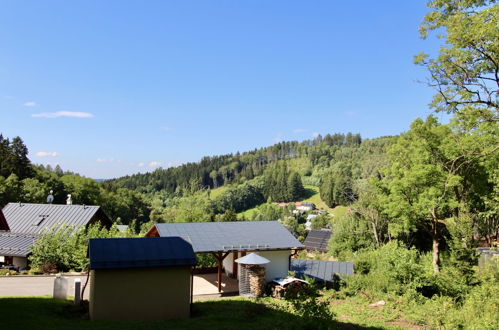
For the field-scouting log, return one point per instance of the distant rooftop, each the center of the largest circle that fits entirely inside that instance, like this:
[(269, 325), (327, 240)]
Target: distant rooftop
[(34, 218)]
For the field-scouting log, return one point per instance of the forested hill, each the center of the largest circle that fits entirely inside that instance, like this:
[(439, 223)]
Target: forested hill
[(216, 171)]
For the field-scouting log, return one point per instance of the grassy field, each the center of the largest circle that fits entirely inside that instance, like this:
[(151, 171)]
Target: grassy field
[(312, 195), (230, 313)]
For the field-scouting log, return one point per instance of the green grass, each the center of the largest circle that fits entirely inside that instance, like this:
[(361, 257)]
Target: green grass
[(214, 193), (230, 313), (311, 195)]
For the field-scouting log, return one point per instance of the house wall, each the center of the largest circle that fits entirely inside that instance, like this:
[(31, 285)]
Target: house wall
[(279, 263), (278, 266), (140, 294), (20, 262)]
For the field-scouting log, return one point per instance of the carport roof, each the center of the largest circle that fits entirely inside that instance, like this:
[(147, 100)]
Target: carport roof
[(140, 252), (231, 236)]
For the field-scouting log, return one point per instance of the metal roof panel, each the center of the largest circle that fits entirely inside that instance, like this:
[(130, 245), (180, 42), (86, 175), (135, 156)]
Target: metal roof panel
[(232, 236)]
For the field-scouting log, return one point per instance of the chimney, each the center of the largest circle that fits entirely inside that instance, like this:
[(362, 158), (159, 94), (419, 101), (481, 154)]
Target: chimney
[(69, 201)]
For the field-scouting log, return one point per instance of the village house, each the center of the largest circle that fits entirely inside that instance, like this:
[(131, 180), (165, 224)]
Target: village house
[(22, 223)]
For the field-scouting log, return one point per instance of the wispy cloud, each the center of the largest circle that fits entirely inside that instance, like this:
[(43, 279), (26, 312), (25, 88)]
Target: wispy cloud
[(299, 130), (167, 128), (154, 164), (278, 138), (315, 135), (141, 164), (47, 154), (30, 104), (104, 160), (57, 114)]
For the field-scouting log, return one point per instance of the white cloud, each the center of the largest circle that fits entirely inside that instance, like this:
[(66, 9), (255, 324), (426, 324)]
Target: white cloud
[(315, 135), (47, 154), (166, 128), (154, 164), (58, 114), (141, 164), (299, 130), (30, 104), (104, 160)]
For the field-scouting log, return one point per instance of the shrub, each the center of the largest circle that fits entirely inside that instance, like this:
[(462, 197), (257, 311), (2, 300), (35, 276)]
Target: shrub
[(4, 272), (62, 248), (391, 269)]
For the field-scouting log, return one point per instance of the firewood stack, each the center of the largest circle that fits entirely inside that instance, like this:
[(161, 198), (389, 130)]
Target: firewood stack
[(256, 276)]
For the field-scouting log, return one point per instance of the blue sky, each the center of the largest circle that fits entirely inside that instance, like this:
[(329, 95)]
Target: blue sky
[(108, 88)]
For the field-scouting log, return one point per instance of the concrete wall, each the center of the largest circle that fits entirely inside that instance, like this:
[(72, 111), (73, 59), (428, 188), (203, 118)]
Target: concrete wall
[(140, 294)]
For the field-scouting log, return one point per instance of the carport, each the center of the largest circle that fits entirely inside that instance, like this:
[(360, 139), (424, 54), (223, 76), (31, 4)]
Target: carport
[(235, 239)]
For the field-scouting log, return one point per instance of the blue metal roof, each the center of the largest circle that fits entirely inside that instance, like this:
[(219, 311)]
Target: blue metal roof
[(142, 252), (321, 270), (232, 236)]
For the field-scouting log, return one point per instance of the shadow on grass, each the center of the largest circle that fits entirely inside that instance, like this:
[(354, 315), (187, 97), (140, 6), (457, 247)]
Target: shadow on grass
[(308, 193), (238, 313)]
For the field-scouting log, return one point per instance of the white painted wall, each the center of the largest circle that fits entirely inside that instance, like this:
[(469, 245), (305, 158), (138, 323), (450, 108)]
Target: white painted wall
[(227, 264), (20, 262), (278, 265)]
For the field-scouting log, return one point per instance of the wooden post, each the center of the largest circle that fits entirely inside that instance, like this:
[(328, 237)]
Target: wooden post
[(220, 258), (234, 265)]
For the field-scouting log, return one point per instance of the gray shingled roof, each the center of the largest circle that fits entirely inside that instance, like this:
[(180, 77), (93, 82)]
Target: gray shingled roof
[(34, 218), (232, 236), (16, 244), (320, 270), (140, 252)]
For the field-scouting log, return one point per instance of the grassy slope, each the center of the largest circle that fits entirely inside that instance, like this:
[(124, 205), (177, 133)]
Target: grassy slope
[(234, 313), (312, 195)]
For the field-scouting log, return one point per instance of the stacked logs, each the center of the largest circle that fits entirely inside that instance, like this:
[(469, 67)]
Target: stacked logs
[(256, 275)]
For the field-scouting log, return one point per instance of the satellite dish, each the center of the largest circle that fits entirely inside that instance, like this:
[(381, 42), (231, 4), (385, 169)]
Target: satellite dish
[(50, 197)]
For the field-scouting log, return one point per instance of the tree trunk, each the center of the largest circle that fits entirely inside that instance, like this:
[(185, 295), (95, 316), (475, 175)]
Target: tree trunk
[(436, 247), (375, 232)]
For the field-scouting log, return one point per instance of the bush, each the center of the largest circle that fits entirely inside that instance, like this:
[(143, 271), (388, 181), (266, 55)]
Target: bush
[(390, 269), (313, 309), (62, 248), (4, 272)]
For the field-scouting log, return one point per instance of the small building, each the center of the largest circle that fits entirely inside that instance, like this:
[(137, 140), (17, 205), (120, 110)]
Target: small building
[(305, 206), (228, 241), (26, 221), (140, 278)]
